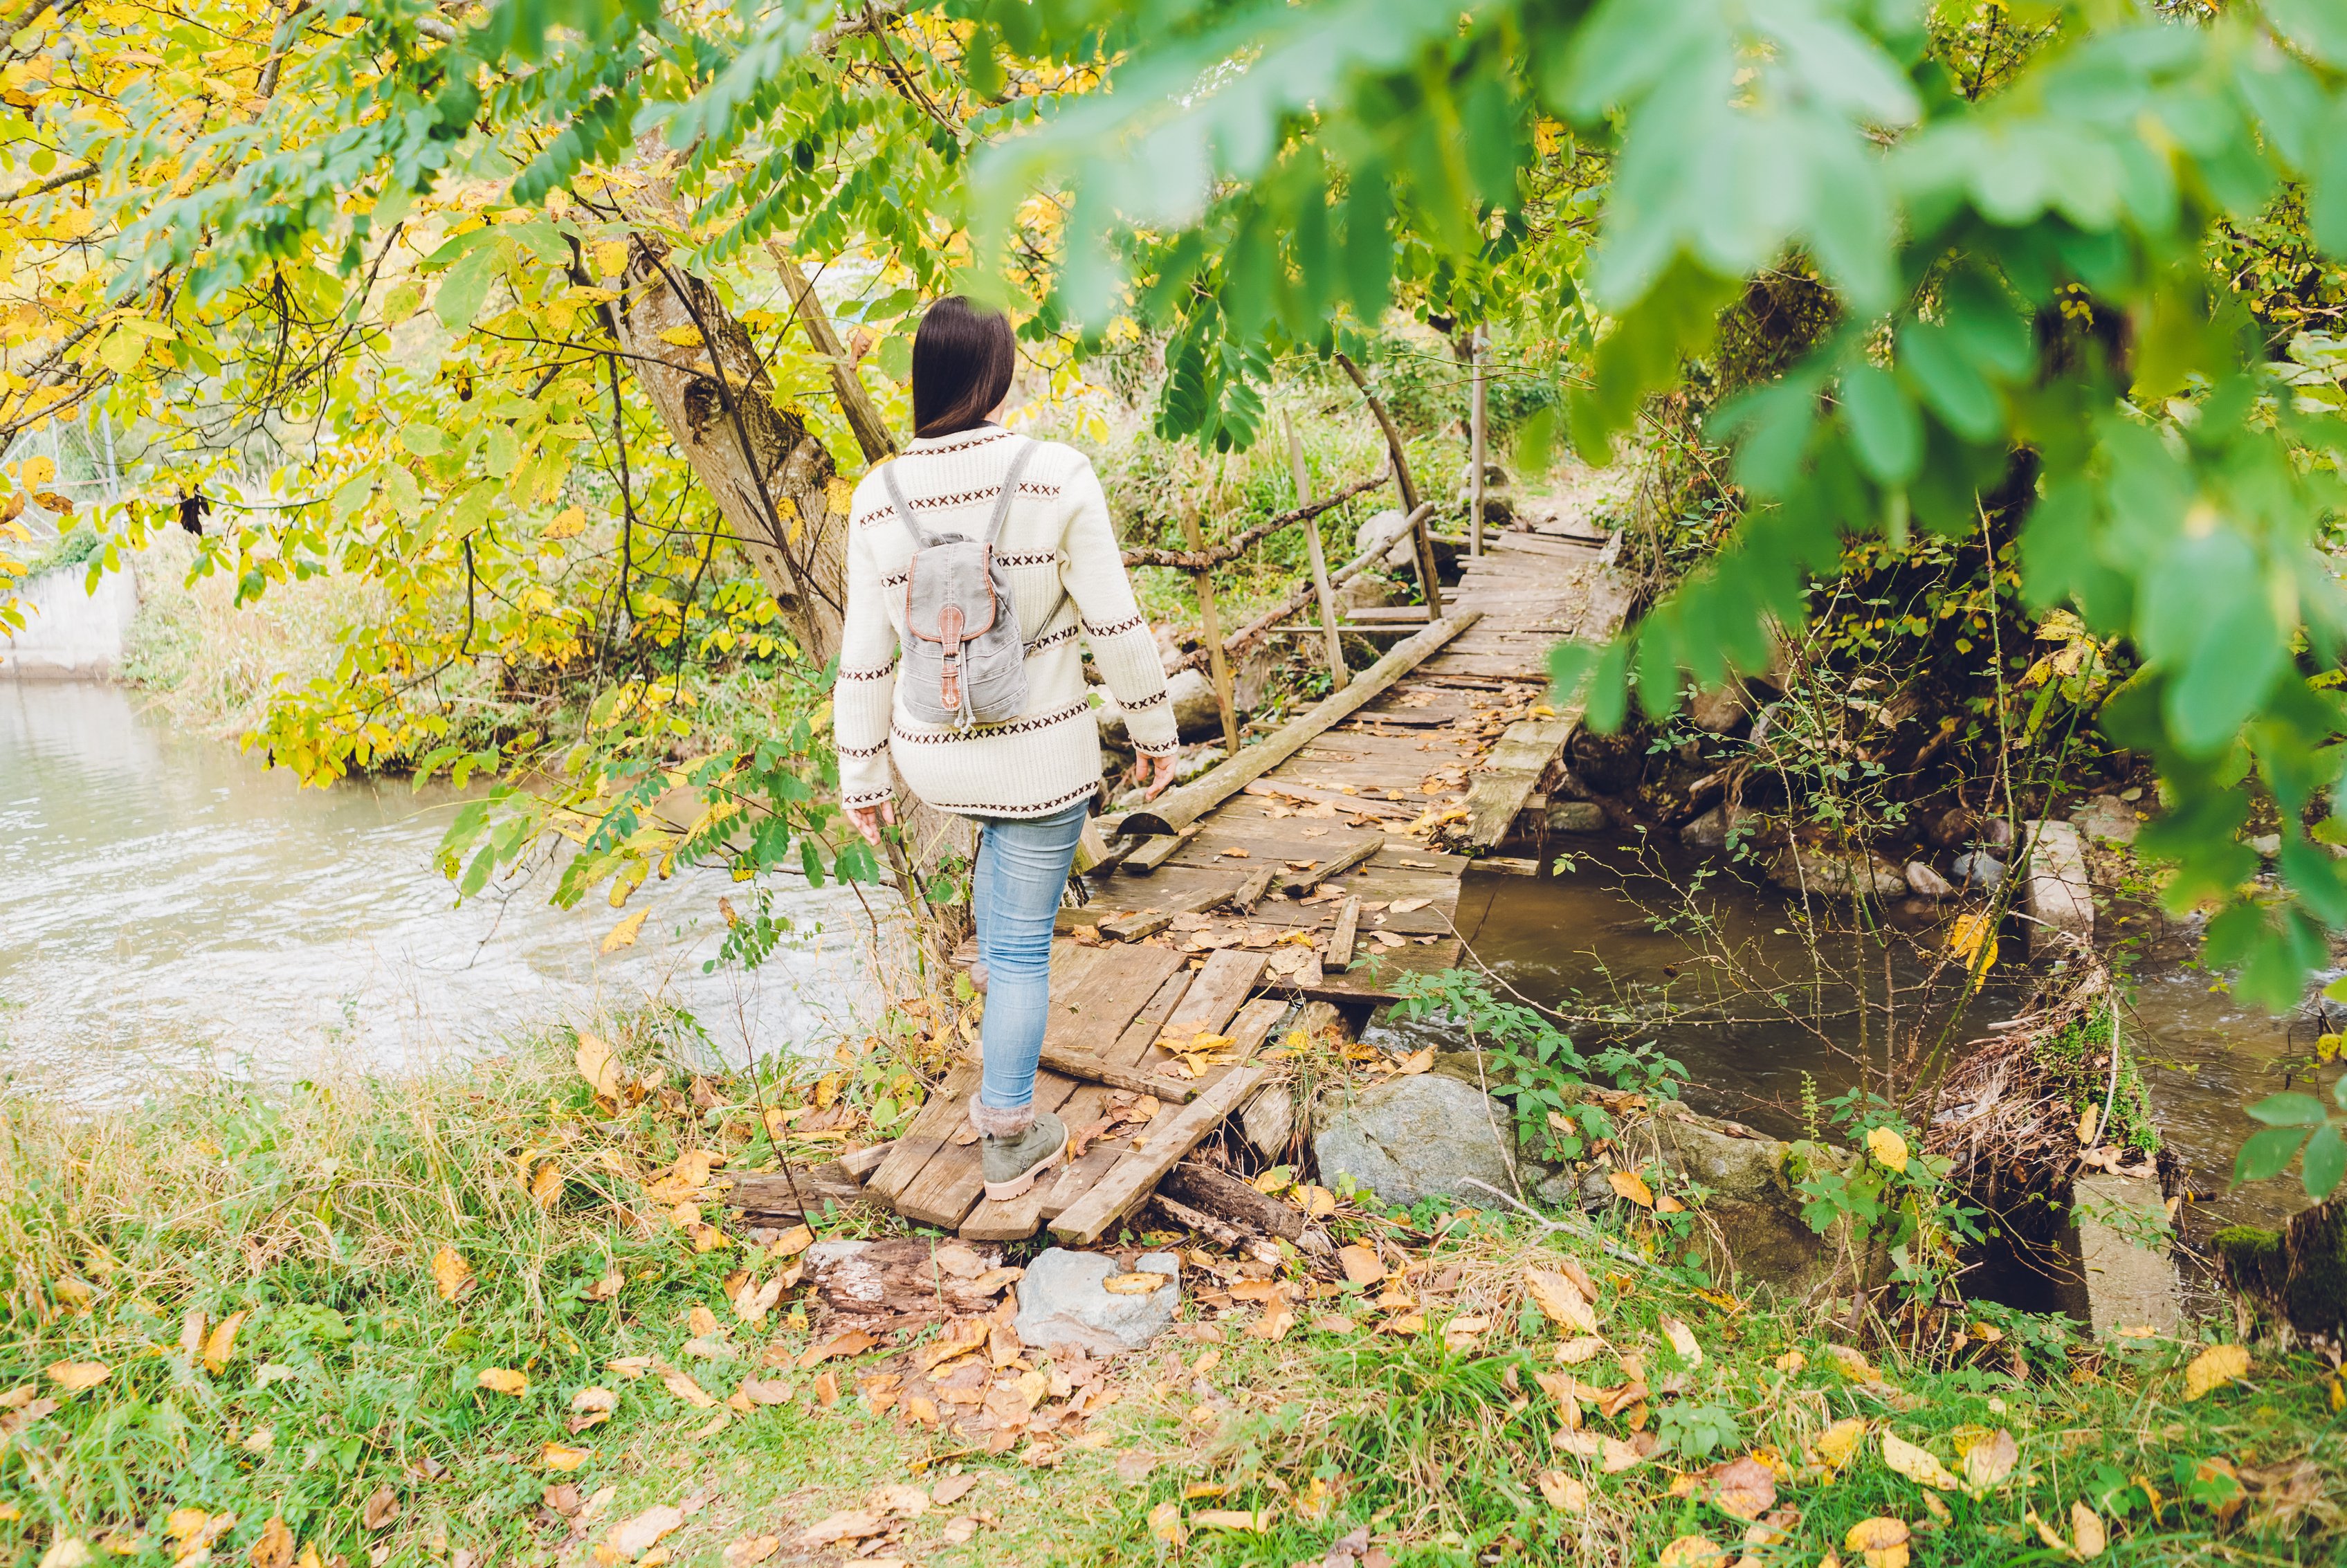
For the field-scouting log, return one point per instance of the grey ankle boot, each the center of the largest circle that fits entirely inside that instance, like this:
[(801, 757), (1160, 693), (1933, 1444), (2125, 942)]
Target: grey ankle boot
[(1012, 1161)]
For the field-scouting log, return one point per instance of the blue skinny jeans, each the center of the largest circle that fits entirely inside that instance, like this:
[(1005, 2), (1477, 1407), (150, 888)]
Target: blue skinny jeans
[(1022, 870)]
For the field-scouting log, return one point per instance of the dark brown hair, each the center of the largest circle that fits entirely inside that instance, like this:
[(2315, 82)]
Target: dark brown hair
[(962, 361)]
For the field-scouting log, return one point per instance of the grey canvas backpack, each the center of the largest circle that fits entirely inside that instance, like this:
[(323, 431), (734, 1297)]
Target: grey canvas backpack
[(964, 663)]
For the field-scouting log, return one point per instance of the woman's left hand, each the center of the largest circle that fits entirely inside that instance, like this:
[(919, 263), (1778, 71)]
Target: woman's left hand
[(1154, 771)]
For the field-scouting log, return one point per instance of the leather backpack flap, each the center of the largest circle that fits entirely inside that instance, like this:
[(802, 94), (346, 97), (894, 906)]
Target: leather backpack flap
[(970, 628)]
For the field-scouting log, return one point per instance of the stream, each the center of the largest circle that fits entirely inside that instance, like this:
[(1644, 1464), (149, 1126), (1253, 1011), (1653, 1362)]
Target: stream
[(174, 909)]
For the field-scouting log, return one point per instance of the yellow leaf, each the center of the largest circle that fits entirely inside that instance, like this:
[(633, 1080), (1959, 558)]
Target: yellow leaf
[(1838, 1444), (1883, 1542), (563, 1457), (545, 1184), (2047, 1533), (275, 1547), (692, 1393), (1682, 1341), (2089, 1122), (1254, 1521), (568, 523), (1559, 1300), (2213, 1369), (611, 258), (1165, 1524), (682, 337), (1973, 937), (1633, 1186), (1990, 1460), (1691, 1552), (37, 472), (1889, 1147), (1563, 1493), (451, 1273), (623, 935), (2086, 1530), (502, 1380), (73, 1377), (599, 1066), (220, 1344), (1917, 1464)]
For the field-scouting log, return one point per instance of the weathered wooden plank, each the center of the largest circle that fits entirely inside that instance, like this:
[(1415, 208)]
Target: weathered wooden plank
[(1152, 853), (1252, 890), (1217, 993), (1086, 1105), (932, 1125), (1171, 1138), (1179, 808), (1340, 939), (1506, 779), (1149, 921), (1359, 804), (1301, 882)]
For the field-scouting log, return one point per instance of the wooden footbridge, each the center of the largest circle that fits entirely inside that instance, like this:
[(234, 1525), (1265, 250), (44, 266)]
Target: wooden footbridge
[(1319, 864)]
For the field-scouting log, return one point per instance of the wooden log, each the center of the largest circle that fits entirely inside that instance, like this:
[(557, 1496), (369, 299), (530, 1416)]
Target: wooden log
[(1252, 890), (803, 1190), (1173, 1136), (1321, 587), (1230, 1199), (1340, 941), (1179, 808), (1475, 422), (1221, 1233), (1218, 664), (907, 1277), (1299, 882)]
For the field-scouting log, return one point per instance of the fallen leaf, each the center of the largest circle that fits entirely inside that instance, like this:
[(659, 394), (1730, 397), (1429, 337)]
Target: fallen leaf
[(1274, 1323), (382, 1508), (1837, 1445), (681, 1385), (1563, 1493), (2213, 1369), (1690, 1552), (1618, 1455), (1139, 1283), (1165, 1524), (561, 1457), (1560, 1299), (752, 1549), (1579, 1349), (952, 1489), (1361, 1264), (1745, 1489), (220, 1345), (608, 1286), (1853, 1366), (1881, 1540), (73, 1377), (1917, 1464), (1407, 906), (791, 1243), (1317, 1201), (502, 1380), (765, 1391), (599, 1066), (2087, 1534), (452, 1274), (1253, 1521), (909, 1500), (1682, 1341), (853, 1343), (68, 1552), (1633, 1186), (545, 1184), (1988, 1461), (853, 1525), (634, 1537), (754, 1301), (624, 934), (274, 1548)]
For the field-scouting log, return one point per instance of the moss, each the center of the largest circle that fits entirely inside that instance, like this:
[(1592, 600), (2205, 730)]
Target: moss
[(2073, 1055)]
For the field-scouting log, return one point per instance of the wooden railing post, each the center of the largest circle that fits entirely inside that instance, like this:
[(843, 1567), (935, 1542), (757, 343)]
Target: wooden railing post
[(1338, 674), (1430, 577), (1475, 454)]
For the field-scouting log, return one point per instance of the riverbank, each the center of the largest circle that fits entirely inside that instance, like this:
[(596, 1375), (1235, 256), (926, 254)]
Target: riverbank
[(469, 1319)]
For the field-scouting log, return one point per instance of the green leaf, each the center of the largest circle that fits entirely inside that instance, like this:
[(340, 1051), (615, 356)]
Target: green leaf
[(2326, 1162), (462, 292), (1885, 430), (424, 440), (2288, 1111), (2267, 1154), (1957, 392), (2317, 26)]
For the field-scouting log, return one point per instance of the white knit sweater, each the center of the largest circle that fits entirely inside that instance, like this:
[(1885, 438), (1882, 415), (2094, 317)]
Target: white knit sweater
[(1067, 580)]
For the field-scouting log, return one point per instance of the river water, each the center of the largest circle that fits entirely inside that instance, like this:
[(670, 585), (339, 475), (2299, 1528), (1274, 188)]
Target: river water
[(172, 907)]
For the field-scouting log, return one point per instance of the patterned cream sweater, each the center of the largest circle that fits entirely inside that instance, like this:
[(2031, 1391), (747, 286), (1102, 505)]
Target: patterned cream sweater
[(1067, 580)]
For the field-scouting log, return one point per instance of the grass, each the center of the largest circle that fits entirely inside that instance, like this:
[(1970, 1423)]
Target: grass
[(317, 1211)]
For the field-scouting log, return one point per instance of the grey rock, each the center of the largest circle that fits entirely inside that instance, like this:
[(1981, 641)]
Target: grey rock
[(1366, 591), (1196, 760), (2266, 844), (1402, 556), (1110, 717), (2109, 819), (1419, 1137), (2124, 1283), (1269, 1120), (1251, 682), (1061, 1302), (1576, 817), (1810, 869), (2057, 894), (1996, 833), (1718, 713), (1196, 716), (1926, 883), (1977, 868), (1708, 831), (1950, 829)]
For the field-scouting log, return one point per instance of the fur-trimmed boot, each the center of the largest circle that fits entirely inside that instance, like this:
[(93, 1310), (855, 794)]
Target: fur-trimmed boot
[(1018, 1145)]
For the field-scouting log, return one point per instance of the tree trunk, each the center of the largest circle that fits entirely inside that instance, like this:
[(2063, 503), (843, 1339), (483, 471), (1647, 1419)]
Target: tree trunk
[(776, 485)]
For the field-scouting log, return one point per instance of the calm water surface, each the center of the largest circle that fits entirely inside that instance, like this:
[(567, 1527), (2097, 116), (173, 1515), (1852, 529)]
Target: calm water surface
[(171, 906)]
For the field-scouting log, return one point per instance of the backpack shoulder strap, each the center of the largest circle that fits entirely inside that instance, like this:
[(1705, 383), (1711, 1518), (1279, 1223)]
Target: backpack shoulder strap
[(921, 541), (1009, 488)]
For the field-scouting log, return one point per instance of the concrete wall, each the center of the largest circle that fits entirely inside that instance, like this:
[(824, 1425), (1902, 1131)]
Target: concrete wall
[(70, 634)]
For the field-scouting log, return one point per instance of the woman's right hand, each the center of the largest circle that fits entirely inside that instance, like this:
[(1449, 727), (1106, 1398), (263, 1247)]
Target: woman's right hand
[(1154, 771), (870, 819)]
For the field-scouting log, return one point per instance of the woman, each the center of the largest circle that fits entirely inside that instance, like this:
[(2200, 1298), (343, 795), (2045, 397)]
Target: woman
[(1028, 782)]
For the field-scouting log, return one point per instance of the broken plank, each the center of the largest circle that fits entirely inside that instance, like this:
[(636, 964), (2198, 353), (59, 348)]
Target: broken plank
[(1340, 939), (1301, 882), (1176, 810), (1171, 1138), (1252, 890), (1360, 803), (1215, 994), (1153, 853), (1149, 922), (1093, 1070), (1506, 778), (933, 1124)]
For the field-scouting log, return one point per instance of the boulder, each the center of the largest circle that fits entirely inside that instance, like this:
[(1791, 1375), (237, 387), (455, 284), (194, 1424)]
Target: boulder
[(1576, 817), (2057, 898), (1109, 716), (1706, 832), (1425, 1135), (1926, 883), (1978, 869), (2108, 819), (1402, 556), (1366, 591), (1951, 829), (1063, 1300), (1816, 870), (1718, 713), (1195, 715)]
